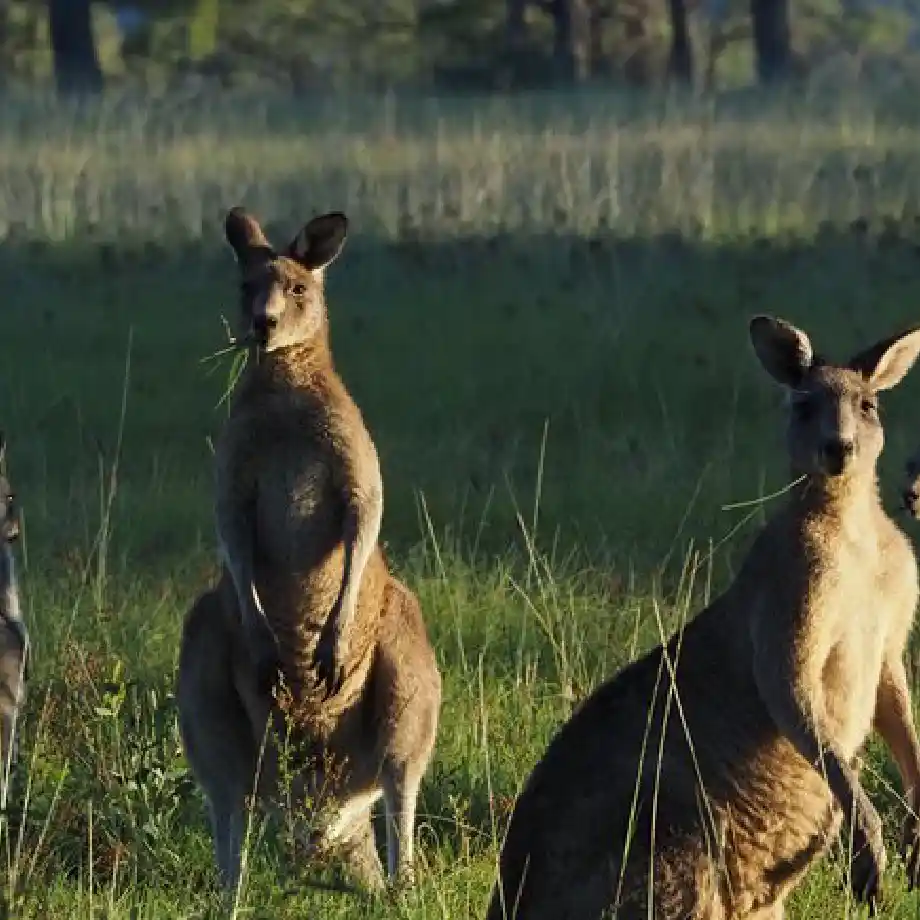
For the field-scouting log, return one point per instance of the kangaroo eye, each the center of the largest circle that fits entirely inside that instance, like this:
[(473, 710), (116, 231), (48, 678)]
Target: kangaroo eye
[(868, 407), (298, 290)]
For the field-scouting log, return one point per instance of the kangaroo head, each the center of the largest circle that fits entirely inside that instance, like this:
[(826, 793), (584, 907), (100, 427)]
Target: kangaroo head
[(9, 512), (282, 292), (833, 427)]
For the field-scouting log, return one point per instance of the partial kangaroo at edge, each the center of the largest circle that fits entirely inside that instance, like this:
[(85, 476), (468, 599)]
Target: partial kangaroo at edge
[(780, 681), (14, 637)]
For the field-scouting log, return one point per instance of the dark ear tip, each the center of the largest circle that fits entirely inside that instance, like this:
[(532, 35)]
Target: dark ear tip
[(339, 218), (760, 321), (235, 215)]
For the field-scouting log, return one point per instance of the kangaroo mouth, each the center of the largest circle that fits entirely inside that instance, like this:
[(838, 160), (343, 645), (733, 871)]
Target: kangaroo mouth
[(833, 467), (836, 459), (261, 331)]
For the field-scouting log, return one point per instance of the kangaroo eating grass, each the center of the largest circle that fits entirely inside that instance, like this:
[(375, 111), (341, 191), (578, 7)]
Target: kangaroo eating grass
[(305, 590), (14, 639), (702, 781)]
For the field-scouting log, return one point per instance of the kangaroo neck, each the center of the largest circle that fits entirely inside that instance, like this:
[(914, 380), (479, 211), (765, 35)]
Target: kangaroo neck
[(292, 365), (839, 495)]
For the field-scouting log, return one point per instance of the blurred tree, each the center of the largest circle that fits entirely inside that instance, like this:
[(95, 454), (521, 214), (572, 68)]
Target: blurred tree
[(772, 51), (471, 44), (680, 59), (481, 45), (638, 59), (76, 63), (202, 32), (572, 38), (515, 29), (5, 37), (601, 12), (572, 34)]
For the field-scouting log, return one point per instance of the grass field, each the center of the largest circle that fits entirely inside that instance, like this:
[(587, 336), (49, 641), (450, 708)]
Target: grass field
[(542, 312)]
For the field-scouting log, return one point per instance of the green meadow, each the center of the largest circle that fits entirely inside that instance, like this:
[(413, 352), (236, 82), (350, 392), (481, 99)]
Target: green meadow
[(542, 311)]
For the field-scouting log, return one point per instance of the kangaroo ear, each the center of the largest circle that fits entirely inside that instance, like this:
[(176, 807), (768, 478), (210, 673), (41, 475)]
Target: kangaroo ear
[(885, 363), (784, 351), (244, 234), (320, 241)]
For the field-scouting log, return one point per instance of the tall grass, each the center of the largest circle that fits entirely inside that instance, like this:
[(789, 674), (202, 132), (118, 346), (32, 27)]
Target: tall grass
[(579, 164)]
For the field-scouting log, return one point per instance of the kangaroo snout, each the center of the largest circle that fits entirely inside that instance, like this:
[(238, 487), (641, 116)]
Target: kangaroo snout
[(836, 453), (263, 324)]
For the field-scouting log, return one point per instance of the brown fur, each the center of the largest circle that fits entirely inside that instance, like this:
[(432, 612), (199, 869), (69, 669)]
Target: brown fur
[(299, 500), (706, 796)]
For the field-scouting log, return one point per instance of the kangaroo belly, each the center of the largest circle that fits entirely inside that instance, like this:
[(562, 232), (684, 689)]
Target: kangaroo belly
[(298, 605)]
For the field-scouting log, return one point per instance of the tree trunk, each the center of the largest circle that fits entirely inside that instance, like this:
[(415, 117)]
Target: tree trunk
[(680, 60), (770, 19), (638, 67), (572, 39), (76, 63), (515, 36), (5, 38), (514, 24)]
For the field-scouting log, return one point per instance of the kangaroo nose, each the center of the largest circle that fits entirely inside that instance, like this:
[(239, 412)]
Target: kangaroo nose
[(263, 323), (837, 452)]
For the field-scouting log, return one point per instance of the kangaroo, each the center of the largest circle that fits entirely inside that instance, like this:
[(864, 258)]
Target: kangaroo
[(703, 780), (305, 594), (14, 637)]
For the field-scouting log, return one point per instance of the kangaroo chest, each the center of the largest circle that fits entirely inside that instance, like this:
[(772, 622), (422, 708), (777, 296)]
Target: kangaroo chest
[(298, 510)]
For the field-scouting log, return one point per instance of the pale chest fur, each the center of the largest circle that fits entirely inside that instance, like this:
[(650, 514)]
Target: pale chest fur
[(855, 608), (859, 608)]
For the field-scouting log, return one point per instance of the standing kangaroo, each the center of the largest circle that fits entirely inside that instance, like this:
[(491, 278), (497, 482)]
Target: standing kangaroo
[(702, 781), (305, 589), (14, 639)]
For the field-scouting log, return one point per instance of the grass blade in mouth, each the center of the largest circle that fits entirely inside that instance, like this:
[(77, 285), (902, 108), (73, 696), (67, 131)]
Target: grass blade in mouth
[(237, 366), (238, 347)]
